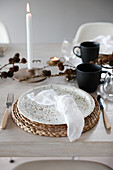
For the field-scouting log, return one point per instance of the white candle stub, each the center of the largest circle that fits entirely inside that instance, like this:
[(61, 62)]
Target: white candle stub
[(29, 37), (54, 59)]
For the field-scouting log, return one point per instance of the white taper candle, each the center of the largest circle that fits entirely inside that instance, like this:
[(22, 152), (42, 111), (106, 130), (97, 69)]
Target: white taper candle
[(29, 37)]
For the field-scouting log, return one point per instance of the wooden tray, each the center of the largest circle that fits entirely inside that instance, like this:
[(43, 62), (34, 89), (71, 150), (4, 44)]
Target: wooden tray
[(52, 130)]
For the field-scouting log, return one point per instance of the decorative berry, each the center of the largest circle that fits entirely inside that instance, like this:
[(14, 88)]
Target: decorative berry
[(11, 60), (4, 74), (23, 60), (16, 68), (10, 74)]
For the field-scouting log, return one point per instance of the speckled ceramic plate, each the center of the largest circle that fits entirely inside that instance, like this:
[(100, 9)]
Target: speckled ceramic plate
[(49, 114)]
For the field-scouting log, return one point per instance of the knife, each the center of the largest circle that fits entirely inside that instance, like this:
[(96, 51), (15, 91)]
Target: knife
[(105, 117)]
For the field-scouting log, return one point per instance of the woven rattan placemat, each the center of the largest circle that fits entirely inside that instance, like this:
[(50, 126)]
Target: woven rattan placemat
[(51, 130)]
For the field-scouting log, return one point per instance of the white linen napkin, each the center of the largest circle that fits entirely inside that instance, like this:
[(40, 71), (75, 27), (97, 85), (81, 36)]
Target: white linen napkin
[(66, 105), (106, 43)]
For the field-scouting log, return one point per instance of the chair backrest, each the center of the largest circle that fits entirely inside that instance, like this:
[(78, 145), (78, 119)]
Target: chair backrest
[(4, 37), (89, 31), (61, 165)]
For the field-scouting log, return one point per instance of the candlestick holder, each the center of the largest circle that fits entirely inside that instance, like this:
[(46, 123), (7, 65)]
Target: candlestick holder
[(28, 75)]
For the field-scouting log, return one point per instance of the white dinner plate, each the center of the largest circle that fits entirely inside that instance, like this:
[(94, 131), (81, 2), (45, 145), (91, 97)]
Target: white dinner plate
[(48, 114)]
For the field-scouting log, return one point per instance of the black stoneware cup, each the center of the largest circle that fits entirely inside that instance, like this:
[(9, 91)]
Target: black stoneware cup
[(89, 76), (89, 51)]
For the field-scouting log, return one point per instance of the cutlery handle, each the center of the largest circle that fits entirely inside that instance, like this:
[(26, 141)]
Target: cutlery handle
[(106, 120), (4, 119)]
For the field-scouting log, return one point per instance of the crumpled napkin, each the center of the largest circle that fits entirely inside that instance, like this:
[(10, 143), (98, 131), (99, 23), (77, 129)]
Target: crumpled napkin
[(106, 43), (66, 105)]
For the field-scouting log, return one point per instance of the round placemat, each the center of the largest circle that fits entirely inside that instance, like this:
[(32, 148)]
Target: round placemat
[(52, 130)]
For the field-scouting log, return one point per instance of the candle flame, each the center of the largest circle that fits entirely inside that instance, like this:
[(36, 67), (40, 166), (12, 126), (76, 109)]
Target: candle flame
[(28, 8)]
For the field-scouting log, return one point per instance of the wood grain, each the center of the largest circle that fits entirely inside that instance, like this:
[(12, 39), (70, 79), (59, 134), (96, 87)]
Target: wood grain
[(106, 120), (4, 119)]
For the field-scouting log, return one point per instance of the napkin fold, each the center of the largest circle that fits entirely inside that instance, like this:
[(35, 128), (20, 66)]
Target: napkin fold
[(66, 105), (106, 43)]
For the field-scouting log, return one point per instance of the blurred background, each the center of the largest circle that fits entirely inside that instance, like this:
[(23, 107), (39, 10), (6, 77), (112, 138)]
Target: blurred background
[(53, 20)]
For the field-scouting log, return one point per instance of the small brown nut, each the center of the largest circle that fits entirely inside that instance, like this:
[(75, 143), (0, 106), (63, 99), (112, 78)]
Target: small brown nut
[(60, 64), (61, 68)]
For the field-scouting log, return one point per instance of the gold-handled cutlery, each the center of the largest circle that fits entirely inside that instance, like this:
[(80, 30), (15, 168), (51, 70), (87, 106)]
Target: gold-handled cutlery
[(10, 99), (105, 116)]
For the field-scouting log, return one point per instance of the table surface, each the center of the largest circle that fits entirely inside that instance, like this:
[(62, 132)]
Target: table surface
[(16, 142)]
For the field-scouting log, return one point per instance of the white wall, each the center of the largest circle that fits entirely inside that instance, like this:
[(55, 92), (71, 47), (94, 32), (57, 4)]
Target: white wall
[(53, 20)]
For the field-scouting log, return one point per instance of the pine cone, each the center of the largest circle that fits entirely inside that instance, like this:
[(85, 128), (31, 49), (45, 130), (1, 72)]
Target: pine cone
[(11, 60), (10, 74), (16, 68), (16, 59), (47, 72), (69, 71), (17, 55)]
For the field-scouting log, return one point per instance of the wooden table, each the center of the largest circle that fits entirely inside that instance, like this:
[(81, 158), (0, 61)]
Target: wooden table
[(15, 142)]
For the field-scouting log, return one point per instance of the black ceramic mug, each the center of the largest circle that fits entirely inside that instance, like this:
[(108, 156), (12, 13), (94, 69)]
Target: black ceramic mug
[(89, 76), (89, 51)]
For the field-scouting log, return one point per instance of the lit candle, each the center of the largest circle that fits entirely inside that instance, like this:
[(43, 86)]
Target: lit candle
[(54, 60), (29, 37)]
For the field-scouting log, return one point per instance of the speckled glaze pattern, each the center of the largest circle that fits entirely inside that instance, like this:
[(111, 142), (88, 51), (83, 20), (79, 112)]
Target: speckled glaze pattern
[(48, 114)]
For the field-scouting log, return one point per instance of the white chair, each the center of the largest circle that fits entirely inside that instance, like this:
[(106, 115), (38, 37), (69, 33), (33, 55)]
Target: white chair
[(89, 31), (62, 165), (4, 37)]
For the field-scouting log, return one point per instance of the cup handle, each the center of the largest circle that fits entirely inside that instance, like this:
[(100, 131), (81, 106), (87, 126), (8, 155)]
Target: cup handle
[(78, 55), (106, 72)]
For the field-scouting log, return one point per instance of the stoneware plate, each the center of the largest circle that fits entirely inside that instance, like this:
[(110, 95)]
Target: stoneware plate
[(48, 114)]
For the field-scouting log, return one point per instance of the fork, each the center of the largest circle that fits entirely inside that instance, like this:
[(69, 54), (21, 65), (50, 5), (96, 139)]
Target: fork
[(10, 99)]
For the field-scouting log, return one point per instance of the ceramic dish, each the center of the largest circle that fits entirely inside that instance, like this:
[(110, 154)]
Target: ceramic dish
[(48, 114)]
